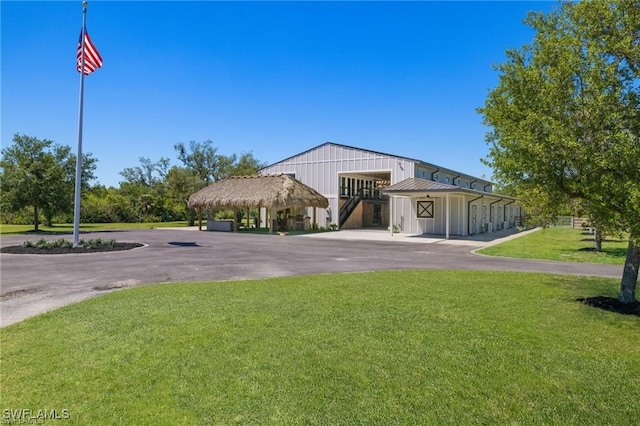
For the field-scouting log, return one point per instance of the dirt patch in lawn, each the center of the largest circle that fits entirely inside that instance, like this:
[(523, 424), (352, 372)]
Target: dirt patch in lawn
[(612, 304)]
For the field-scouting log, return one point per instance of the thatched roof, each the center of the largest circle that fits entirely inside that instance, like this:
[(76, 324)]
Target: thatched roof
[(270, 191)]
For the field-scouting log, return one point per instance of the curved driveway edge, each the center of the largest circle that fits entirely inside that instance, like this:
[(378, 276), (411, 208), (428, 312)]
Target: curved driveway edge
[(33, 284)]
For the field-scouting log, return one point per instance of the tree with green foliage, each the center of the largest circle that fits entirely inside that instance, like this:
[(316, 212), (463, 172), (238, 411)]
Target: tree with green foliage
[(145, 186), (148, 173), (565, 118), (202, 159), (246, 165), (40, 174), (181, 183), (207, 166), (106, 205)]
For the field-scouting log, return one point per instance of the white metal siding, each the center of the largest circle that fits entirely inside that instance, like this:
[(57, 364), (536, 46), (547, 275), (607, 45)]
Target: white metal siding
[(457, 221), (438, 224), (320, 168)]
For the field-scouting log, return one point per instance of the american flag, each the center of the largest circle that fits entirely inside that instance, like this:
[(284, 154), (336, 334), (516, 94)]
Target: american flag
[(92, 59)]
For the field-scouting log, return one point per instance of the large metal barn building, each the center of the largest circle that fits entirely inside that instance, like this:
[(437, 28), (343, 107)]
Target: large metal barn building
[(373, 189)]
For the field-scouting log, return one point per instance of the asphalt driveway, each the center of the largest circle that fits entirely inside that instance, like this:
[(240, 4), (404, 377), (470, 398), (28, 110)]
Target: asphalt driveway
[(33, 284)]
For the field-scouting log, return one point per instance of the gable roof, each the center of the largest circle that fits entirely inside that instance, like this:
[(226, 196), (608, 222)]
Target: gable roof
[(347, 147), (415, 160)]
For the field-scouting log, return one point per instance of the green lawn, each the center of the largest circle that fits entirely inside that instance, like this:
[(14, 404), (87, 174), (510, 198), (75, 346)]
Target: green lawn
[(86, 227), (563, 244), (410, 347)]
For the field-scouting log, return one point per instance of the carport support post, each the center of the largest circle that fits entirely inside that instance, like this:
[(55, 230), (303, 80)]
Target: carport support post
[(448, 219), (390, 214)]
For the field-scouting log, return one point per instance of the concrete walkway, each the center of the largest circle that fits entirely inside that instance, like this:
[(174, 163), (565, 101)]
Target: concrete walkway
[(478, 241)]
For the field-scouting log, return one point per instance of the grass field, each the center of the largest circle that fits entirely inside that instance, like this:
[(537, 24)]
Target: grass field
[(411, 347), (85, 227), (563, 244)]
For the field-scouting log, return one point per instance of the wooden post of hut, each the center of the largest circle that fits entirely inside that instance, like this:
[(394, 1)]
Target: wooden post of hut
[(259, 217), (236, 225), (313, 224), (200, 219), (270, 220)]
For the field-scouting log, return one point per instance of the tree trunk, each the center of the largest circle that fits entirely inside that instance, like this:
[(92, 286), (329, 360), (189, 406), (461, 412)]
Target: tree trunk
[(35, 217), (192, 217), (597, 236), (48, 220), (630, 273)]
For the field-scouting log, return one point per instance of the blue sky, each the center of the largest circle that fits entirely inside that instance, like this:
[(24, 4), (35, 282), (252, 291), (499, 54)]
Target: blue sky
[(274, 78)]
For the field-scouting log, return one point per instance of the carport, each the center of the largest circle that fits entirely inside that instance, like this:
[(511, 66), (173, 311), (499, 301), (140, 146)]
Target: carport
[(425, 194)]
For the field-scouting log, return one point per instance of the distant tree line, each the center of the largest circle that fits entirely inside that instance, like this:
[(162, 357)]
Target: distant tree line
[(37, 179)]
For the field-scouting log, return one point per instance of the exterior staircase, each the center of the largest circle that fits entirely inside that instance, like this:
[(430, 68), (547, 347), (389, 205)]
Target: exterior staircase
[(362, 194)]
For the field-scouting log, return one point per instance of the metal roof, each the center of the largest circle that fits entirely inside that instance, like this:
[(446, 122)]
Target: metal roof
[(417, 184), (414, 186), (415, 160)]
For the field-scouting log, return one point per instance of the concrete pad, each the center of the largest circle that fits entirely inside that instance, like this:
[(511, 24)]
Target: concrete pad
[(478, 241)]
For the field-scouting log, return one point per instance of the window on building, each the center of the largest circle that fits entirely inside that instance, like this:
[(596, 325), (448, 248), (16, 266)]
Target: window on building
[(425, 209)]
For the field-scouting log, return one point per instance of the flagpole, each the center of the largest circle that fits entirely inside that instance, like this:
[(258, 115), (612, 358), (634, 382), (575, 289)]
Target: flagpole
[(76, 201)]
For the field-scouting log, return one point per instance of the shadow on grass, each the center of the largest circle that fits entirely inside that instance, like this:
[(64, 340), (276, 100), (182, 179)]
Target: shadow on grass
[(607, 240), (612, 304), (70, 226), (615, 252), (58, 229), (66, 231), (43, 232)]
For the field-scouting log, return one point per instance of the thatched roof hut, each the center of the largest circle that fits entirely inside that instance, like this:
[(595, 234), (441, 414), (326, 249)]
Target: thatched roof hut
[(274, 192), (270, 191)]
